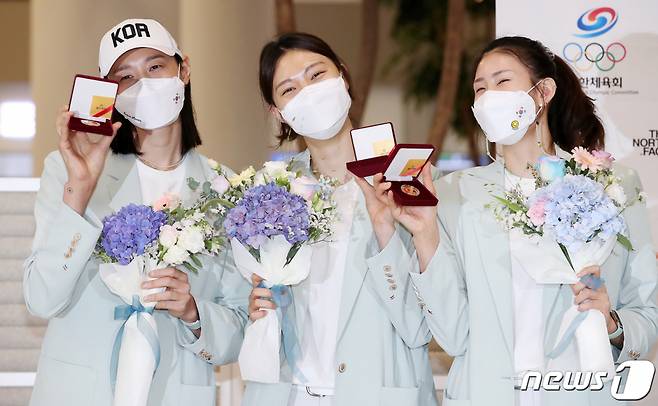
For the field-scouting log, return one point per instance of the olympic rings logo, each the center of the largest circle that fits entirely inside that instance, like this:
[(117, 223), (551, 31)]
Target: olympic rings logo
[(594, 54)]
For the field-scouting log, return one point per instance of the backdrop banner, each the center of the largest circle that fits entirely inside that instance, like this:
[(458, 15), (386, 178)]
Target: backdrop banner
[(613, 47)]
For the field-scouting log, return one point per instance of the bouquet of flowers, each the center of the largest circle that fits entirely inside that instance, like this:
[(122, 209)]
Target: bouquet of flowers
[(221, 193), (134, 241), (572, 220), (271, 227)]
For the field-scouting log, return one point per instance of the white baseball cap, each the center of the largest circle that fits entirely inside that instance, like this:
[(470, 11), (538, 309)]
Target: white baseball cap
[(131, 34)]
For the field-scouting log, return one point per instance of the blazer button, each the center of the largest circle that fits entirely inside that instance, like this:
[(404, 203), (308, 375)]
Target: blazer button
[(205, 355), (342, 367)]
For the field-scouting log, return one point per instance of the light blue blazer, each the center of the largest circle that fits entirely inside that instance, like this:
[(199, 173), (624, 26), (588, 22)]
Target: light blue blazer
[(381, 349), (61, 283), (467, 289)]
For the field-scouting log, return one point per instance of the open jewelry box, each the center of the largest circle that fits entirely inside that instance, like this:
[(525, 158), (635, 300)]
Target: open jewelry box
[(376, 151)]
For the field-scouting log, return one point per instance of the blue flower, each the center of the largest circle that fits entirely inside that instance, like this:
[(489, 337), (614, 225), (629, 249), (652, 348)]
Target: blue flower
[(577, 209), (265, 211), (550, 168), (130, 231)]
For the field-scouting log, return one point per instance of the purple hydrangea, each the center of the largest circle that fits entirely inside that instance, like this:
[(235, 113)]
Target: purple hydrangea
[(577, 209), (265, 211), (129, 232)]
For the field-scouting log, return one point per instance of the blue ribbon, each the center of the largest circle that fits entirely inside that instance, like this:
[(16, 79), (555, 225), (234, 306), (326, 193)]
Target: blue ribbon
[(123, 312), (282, 297), (593, 282)]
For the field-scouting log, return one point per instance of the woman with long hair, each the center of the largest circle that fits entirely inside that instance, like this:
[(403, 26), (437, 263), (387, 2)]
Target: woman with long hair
[(482, 305), (200, 317)]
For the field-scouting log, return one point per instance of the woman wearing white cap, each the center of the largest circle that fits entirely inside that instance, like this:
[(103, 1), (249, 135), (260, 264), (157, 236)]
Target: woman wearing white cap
[(200, 317)]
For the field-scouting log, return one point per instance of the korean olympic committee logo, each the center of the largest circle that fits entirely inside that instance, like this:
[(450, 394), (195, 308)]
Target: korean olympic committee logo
[(596, 22), (593, 23)]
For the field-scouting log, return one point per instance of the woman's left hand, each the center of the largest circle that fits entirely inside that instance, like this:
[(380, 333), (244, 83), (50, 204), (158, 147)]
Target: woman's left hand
[(598, 299), (176, 298), (419, 220)]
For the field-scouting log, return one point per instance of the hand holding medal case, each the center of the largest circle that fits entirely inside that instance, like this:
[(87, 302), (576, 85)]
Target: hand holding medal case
[(404, 164), (92, 104), (377, 152)]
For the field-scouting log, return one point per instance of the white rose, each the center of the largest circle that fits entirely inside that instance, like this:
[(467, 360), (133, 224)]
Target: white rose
[(191, 239), (303, 186), (176, 255), (276, 169), (168, 236), (616, 193), (220, 184), (259, 179)]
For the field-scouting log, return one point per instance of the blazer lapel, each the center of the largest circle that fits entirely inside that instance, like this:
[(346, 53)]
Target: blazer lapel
[(355, 266), (117, 186), (124, 185), (195, 169), (493, 241)]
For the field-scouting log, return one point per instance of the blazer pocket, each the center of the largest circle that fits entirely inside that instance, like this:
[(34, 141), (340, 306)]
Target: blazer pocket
[(197, 394), (398, 396), (59, 383)]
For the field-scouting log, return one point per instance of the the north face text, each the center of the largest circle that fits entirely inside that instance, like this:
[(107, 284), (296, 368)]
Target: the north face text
[(129, 31)]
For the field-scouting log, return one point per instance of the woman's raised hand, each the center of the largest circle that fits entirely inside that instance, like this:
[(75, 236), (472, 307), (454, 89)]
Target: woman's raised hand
[(84, 156), (383, 222), (420, 221)]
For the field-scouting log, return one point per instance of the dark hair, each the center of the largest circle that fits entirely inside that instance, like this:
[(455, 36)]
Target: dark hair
[(572, 119), (124, 141), (275, 49)]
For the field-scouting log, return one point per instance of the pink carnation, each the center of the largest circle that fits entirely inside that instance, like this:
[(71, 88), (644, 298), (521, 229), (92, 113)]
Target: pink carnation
[(537, 213), (586, 160), (167, 201)]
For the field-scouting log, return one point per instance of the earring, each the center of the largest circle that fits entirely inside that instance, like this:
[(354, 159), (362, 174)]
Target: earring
[(538, 138), (486, 144)]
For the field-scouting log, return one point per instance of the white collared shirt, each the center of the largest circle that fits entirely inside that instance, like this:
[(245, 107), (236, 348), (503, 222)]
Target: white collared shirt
[(323, 289), (528, 308)]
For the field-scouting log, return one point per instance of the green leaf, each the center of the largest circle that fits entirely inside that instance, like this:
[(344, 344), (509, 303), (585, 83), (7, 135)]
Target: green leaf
[(206, 187), (216, 202), (192, 183), (625, 242), (196, 261), (566, 254), (512, 206), (292, 252), (254, 252), (190, 267)]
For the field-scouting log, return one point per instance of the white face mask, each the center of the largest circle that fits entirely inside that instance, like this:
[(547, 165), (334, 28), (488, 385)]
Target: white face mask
[(319, 110), (152, 102), (505, 116)]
